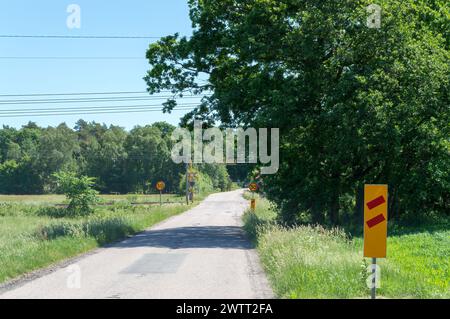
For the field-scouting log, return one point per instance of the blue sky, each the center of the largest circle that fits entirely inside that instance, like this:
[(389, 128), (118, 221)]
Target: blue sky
[(98, 17)]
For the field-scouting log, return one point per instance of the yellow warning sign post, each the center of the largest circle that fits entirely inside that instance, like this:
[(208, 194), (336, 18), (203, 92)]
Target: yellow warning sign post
[(160, 186), (253, 204), (375, 220), (253, 187), (375, 226)]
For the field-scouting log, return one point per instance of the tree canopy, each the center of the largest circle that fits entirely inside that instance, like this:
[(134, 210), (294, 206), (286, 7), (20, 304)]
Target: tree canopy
[(354, 104)]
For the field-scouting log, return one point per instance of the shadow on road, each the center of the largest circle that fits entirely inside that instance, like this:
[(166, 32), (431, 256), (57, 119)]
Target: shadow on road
[(231, 237)]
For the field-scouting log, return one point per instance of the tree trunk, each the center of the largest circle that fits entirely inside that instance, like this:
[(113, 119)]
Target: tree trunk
[(334, 209), (392, 204), (317, 214)]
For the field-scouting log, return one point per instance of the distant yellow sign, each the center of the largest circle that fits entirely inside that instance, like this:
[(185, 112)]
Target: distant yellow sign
[(253, 205), (160, 185), (375, 220), (253, 187)]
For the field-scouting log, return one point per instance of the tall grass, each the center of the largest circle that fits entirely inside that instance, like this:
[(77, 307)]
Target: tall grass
[(314, 262), (104, 198)]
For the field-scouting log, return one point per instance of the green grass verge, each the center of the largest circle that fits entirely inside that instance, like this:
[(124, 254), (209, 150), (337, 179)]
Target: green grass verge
[(313, 262), (30, 240), (61, 199)]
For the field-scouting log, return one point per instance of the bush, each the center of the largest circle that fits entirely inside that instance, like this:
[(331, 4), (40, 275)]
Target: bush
[(203, 184), (102, 229), (60, 229), (218, 175), (16, 209), (54, 212), (78, 190)]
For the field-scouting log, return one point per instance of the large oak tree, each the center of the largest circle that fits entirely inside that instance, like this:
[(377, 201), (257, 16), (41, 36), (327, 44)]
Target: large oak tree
[(354, 104)]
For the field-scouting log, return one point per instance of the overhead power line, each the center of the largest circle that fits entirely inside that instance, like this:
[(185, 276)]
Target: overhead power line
[(91, 108), (89, 100), (96, 112), (77, 113), (55, 94), (46, 36), (82, 93), (70, 58)]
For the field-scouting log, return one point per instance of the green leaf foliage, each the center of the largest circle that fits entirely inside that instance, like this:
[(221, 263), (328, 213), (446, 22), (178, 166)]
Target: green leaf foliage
[(354, 104)]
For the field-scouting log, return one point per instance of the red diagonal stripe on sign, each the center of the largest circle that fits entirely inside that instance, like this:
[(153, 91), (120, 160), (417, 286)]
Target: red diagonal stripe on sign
[(376, 202), (376, 220)]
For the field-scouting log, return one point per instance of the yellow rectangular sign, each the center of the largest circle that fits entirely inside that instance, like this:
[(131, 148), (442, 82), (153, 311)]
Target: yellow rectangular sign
[(375, 220)]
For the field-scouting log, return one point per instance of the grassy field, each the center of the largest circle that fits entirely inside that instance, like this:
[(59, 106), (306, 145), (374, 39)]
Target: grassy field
[(313, 262), (33, 236), (61, 199)]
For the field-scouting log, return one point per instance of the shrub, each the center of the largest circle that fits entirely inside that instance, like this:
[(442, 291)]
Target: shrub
[(54, 212), (203, 184), (78, 190), (16, 209), (132, 198), (103, 229)]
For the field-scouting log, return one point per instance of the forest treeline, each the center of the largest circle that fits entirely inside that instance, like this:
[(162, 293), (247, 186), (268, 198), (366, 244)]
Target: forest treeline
[(120, 161)]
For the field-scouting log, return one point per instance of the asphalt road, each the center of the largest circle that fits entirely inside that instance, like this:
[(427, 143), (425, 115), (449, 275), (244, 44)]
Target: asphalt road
[(202, 253)]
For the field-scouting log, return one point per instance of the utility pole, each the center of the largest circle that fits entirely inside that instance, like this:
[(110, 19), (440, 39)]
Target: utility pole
[(187, 184)]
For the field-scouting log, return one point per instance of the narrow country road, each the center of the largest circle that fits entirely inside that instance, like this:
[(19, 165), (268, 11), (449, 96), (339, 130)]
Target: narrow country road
[(202, 253)]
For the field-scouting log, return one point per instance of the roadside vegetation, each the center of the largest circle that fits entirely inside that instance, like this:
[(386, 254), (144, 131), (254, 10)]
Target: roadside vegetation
[(51, 179), (315, 262), (354, 104), (103, 199)]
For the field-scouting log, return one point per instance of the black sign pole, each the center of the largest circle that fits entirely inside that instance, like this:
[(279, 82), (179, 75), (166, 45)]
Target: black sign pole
[(374, 278)]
